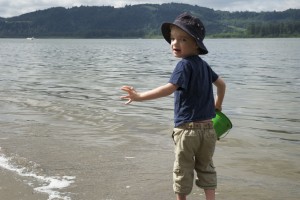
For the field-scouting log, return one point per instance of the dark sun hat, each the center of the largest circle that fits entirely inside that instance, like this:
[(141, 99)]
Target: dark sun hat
[(191, 25)]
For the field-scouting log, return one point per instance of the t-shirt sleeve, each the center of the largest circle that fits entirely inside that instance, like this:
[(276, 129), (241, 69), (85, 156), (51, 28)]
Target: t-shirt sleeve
[(181, 76), (214, 76)]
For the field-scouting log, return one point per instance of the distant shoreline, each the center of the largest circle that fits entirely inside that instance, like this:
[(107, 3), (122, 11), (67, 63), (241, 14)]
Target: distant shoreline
[(144, 21)]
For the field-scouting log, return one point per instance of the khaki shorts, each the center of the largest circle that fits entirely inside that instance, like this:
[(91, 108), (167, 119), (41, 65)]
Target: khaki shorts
[(194, 149)]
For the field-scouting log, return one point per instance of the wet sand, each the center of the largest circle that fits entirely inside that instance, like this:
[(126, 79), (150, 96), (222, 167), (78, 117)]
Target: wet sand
[(140, 169), (12, 188)]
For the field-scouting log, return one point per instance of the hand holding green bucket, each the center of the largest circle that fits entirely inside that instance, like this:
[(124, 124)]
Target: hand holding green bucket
[(221, 123)]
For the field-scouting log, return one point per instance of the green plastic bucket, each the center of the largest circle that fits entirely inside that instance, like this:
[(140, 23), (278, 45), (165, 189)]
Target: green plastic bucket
[(221, 123)]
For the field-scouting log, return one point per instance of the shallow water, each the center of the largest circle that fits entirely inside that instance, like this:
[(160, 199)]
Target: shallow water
[(60, 109)]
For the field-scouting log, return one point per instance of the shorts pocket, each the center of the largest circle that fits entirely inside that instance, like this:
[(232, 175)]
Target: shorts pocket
[(176, 134), (212, 166), (177, 171), (178, 174)]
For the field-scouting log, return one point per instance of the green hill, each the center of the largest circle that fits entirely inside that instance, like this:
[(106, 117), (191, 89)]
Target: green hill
[(144, 20)]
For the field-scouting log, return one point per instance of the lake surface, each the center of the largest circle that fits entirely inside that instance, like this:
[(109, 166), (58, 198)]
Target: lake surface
[(61, 113)]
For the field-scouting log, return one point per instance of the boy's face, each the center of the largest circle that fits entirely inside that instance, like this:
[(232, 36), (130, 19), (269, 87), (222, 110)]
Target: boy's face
[(182, 44)]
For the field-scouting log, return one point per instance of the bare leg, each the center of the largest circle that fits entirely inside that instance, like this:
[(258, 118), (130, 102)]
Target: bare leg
[(181, 197), (210, 194)]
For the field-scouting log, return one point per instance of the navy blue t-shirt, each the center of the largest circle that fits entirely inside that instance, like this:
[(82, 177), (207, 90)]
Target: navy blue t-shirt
[(194, 99)]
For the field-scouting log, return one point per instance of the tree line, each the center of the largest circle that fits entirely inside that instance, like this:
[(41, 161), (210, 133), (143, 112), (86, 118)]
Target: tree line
[(274, 29), (144, 20)]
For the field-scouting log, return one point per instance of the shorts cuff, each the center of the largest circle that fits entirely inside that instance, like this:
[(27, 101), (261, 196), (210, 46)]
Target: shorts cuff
[(206, 187)]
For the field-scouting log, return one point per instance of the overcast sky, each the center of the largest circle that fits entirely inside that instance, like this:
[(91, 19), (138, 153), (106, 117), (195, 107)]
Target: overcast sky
[(9, 8)]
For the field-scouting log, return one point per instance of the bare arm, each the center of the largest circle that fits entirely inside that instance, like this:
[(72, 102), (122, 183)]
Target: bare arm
[(158, 92), (221, 87)]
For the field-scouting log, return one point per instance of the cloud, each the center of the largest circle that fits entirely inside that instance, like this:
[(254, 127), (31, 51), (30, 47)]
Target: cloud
[(9, 8), (258, 5)]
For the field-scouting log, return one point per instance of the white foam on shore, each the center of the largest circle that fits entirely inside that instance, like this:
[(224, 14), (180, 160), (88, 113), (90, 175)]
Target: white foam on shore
[(49, 185)]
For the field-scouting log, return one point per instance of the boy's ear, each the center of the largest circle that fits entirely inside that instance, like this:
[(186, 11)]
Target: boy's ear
[(196, 45)]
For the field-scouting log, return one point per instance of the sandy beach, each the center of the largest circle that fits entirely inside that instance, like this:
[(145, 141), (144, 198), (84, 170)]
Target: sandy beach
[(140, 170), (13, 188)]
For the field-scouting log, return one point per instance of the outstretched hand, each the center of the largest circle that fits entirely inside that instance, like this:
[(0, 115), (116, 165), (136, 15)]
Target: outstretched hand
[(132, 94)]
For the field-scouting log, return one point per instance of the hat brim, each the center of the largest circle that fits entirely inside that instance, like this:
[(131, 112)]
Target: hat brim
[(166, 32)]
